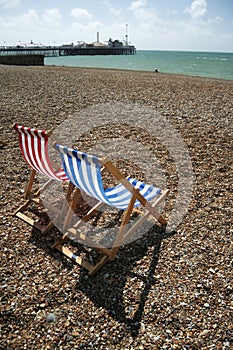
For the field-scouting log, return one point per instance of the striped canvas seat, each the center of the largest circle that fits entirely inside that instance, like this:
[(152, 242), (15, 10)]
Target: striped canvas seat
[(34, 148), (85, 173)]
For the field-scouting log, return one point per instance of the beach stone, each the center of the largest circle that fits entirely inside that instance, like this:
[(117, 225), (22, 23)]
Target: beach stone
[(51, 317), (185, 279)]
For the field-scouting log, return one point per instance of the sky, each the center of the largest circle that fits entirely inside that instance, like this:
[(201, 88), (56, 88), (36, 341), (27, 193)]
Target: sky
[(191, 25)]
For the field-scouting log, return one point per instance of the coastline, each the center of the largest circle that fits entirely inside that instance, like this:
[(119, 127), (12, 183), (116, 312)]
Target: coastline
[(173, 289), (147, 72), (126, 71), (207, 64)]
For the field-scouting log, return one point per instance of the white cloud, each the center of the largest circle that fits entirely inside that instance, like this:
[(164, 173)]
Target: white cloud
[(27, 20), (198, 8), (81, 14), (8, 4), (113, 10), (142, 13), (172, 35), (147, 27), (138, 4), (31, 20), (216, 20), (52, 17)]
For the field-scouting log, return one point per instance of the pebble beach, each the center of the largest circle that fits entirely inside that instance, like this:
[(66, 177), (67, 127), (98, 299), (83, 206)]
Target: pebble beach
[(166, 290)]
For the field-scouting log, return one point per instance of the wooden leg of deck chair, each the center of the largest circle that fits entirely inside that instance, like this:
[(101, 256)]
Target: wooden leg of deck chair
[(43, 228), (29, 185), (143, 218), (92, 269), (73, 230), (69, 192), (68, 215), (43, 188), (22, 207), (152, 208), (98, 266), (60, 212), (120, 235), (92, 212), (48, 227), (86, 217), (19, 213)]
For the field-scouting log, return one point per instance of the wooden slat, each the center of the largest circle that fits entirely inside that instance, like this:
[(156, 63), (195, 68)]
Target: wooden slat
[(66, 251), (87, 241), (95, 268), (30, 221)]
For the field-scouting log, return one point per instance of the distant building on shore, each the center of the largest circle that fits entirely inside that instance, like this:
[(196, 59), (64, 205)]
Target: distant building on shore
[(115, 43)]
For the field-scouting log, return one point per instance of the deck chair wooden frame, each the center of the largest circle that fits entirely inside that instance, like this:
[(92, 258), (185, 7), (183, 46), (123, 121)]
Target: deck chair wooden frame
[(85, 172), (34, 148)]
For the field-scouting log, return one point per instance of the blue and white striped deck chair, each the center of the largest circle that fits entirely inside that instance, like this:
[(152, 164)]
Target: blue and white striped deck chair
[(84, 172)]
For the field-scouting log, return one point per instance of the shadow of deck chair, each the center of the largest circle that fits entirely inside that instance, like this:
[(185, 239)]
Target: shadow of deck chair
[(85, 173), (34, 148)]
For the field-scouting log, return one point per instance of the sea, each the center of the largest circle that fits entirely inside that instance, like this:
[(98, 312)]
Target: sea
[(203, 64)]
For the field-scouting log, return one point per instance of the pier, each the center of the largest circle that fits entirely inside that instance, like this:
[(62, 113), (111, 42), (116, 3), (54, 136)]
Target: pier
[(68, 50), (31, 54)]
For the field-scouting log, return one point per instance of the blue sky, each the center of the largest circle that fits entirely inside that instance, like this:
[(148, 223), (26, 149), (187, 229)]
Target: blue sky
[(198, 25)]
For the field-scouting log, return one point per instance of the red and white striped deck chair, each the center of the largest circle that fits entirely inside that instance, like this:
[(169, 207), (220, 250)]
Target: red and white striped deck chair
[(34, 147)]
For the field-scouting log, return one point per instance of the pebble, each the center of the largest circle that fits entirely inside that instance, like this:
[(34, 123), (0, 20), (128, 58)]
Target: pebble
[(204, 332), (157, 294), (51, 317)]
